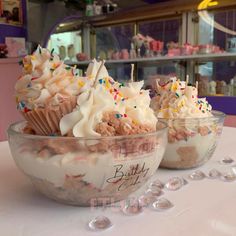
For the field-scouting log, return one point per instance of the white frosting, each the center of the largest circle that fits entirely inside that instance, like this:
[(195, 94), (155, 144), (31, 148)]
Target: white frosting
[(45, 76), (177, 100), (93, 68), (107, 95)]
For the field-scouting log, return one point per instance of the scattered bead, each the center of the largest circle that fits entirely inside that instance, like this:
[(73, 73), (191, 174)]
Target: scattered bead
[(100, 223), (132, 207), (197, 175), (155, 191), (157, 183), (175, 183), (162, 204), (228, 177), (214, 174), (226, 160), (147, 199)]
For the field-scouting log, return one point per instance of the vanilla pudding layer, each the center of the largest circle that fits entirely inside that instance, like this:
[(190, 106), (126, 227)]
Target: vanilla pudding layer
[(95, 169), (189, 153), (88, 172)]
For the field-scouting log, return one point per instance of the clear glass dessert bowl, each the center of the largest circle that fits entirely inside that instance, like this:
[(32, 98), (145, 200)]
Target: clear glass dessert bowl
[(191, 141), (87, 171)]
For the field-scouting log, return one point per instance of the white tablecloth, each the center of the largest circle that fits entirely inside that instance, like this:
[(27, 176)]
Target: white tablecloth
[(201, 208)]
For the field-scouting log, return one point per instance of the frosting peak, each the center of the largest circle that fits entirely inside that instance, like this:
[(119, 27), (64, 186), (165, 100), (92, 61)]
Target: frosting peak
[(45, 78), (176, 99), (127, 102)]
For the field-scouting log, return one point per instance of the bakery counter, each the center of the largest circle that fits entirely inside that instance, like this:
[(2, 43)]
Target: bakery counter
[(201, 207), (10, 71)]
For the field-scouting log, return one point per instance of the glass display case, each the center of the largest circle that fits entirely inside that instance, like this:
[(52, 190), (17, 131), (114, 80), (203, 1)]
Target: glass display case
[(219, 76), (176, 45), (67, 44)]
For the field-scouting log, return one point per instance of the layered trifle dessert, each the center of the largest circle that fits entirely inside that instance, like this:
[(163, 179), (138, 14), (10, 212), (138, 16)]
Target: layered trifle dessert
[(193, 127), (96, 153)]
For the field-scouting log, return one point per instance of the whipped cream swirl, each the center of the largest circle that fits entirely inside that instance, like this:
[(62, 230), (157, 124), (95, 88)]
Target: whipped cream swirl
[(106, 95), (47, 81), (176, 99)]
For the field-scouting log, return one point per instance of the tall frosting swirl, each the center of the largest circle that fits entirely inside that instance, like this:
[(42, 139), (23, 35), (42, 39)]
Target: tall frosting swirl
[(176, 99), (46, 81), (106, 95)]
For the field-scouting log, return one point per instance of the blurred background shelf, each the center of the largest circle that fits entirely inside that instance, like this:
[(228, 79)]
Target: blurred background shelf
[(196, 58)]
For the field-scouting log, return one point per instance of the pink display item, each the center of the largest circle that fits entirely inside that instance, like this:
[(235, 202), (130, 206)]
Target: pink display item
[(115, 55), (153, 45), (172, 44), (124, 54), (216, 49), (138, 40), (205, 49), (147, 42), (172, 52), (149, 39), (160, 46), (195, 49), (140, 37), (81, 56), (16, 46), (187, 49), (156, 45)]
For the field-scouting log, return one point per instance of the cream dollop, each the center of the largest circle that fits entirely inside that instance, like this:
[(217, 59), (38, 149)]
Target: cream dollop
[(108, 95), (176, 99), (45, 78)]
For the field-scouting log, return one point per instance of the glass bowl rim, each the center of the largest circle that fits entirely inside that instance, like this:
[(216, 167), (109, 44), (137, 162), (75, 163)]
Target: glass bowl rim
[(216, 114), (12, 131)]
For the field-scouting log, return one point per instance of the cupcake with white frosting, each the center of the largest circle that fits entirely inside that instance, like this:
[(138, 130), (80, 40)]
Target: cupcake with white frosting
[(47, 90)]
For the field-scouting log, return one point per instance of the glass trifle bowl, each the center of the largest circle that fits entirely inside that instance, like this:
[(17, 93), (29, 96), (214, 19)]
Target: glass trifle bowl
[(191, 141), (87, 171)]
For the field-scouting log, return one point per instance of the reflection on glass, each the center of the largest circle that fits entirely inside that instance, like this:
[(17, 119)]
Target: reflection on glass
[(150, 73), (67, 44), (205, 16), (114, 43), (165, 30), (110, 41), (121, 73), (218, 78)]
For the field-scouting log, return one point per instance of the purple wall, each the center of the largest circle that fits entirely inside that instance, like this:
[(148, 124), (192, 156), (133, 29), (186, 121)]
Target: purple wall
[(224, 104)]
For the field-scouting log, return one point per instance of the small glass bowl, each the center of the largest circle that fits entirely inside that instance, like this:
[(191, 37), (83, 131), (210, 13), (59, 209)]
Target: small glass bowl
[(87, 171), (191, 141)]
